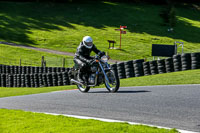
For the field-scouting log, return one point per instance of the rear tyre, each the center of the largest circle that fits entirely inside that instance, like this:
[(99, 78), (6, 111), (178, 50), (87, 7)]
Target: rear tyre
[(83, 88)]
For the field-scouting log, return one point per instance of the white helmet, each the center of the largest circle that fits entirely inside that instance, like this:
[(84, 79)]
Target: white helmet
[(87, 42)]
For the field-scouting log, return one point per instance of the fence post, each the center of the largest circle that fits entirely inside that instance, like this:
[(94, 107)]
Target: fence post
[(45, 64), (63, 62), (20, 62), (42, 62)]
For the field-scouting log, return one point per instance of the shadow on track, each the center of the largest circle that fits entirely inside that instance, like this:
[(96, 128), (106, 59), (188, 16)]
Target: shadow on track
[(139, 91)]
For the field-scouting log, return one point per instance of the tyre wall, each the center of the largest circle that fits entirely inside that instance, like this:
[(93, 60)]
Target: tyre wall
[(28, 76), (137, 68)]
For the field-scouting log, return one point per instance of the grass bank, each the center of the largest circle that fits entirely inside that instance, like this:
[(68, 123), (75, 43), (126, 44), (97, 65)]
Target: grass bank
[(62, 26), (13, 121), (10, 55)]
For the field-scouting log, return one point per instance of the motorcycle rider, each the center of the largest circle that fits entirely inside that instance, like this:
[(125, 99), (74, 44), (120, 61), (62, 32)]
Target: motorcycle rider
[(82, 56)]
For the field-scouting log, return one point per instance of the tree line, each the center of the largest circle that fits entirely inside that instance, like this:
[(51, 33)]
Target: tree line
[(124, 1)]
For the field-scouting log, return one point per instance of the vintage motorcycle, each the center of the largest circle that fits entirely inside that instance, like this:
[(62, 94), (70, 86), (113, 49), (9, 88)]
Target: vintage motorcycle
[(100, 73)]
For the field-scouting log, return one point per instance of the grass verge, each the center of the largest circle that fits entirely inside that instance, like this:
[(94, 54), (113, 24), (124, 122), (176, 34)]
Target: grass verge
[(13, 121), (174, 78), (6, 91)]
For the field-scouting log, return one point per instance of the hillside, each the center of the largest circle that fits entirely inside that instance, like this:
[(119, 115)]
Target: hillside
[(62, 26)]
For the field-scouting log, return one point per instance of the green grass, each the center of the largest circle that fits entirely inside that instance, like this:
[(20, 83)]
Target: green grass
[(6, 91), (10, 55), (62, 26), (14, 121), (175, 78)]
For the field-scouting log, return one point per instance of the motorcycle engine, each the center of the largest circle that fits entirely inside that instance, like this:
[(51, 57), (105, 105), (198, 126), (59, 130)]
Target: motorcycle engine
[(92, 78), (93, 69)]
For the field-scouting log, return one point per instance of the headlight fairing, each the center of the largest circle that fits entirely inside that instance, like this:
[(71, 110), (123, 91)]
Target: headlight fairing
[(104, 58)]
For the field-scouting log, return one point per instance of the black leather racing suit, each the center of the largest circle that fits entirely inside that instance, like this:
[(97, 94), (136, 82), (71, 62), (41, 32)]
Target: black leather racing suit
[(82, 57)]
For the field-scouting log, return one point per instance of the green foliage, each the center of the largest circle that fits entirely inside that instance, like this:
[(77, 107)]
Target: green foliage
[(13, 121), (168, 14)]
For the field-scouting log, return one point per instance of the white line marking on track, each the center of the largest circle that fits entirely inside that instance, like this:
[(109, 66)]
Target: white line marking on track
[(111, 120)]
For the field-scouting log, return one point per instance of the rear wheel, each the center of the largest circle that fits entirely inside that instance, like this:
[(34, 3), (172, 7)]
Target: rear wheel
[(83, 88), (113, 84)]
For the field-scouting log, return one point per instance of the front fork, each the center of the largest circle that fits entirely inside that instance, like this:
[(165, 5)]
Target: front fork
[(106, 78)]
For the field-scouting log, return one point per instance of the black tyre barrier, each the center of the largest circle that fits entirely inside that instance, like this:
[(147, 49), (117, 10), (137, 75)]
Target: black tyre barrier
[(14, 80), (12, 69), (40, 80), (161, 66), (32, 83), (16, 69), (177, 63), (28, 69), (146, 67), (45, 69), (195, 63), (18, 80), (138, 67), (23, 80), (49, 70), (49, 79), (153, 67), (1, 68), (6, 69), (27, 80), (3, 80), (36, 80), (28, 76), (60, 79), (65, 77), (55, 79), (169, 64), (114, 68), (186, 61), (121, 70), (129, 70), (44, 78)]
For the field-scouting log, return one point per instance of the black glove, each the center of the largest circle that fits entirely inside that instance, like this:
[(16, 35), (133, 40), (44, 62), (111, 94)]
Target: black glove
[(102, 54), (90, 61)]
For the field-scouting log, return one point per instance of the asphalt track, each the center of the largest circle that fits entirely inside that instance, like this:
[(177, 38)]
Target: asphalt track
[(167, 106)]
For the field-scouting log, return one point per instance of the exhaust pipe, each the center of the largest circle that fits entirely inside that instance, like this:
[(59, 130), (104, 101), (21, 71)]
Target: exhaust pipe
[(76, 82)]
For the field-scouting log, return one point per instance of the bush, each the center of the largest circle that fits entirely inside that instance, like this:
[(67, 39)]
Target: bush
[(168, 14)]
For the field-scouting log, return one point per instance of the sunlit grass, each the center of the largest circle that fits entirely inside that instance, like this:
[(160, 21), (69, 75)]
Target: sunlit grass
[(13, 121)]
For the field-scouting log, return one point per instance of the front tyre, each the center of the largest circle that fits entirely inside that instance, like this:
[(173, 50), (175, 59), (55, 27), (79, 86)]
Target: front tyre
[(114, 82), (83, 88)]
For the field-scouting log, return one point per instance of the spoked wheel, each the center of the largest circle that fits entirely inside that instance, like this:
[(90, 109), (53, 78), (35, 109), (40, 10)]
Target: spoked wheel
[(113, 84), (83, 88)]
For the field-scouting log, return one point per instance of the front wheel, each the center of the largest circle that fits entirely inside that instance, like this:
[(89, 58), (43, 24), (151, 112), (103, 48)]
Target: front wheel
[(83, 88), (113, 84)]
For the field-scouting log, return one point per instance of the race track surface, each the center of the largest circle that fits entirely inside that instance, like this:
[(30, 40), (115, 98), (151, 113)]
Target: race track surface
[(167, 106)]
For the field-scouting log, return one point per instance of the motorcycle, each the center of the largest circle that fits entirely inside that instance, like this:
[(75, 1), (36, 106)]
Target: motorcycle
[(100, 73)]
